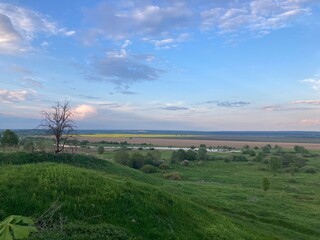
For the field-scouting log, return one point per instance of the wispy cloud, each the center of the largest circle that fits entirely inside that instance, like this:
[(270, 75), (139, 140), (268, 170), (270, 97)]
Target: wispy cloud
[(175, 108), (228, 104), (284, 108), (122, 69), (11, 96), (113, 21), (168, 43), (19, 26), (31, 82), (257, 16), (307, 102), (314, 82), (310, 122)]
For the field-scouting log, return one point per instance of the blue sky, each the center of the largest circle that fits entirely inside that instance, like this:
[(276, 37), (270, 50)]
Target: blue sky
[(174, 65)]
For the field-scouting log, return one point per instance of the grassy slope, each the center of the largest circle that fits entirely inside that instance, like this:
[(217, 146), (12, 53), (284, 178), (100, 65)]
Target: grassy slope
[(216, 200)]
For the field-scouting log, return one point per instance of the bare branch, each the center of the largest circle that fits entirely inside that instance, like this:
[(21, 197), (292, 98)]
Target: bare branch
[(59, 123)]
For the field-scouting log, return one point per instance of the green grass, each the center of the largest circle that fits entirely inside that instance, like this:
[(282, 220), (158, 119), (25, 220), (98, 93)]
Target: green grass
[(214, 200)]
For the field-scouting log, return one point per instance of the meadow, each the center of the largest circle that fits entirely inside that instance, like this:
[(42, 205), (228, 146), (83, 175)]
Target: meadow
[(98, 198)]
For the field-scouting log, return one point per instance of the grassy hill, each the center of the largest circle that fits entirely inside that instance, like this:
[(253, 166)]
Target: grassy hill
[(103, 200)]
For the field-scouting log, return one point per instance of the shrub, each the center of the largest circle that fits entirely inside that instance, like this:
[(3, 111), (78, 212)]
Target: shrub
[(260, 156), (178, 156), (185, 163), (300, 149), (136, 161), (100, 149), (173, 176), (149, 169), (275, 164), (164, 166), (235, 158), (202, 153), (29, 147), (191, 155), (309, 170), (153, 158), (265, 184), (122, 157), (9, 138)]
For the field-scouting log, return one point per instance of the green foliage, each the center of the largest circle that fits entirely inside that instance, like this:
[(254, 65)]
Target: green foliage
[(266, 149), (185, 163), (275, 164), (292, 160), (309, 170), (300, 149), (250, 152), (202, 153), (29, 146), (236, 158), (164, 166), (178, 156), (265, 184), (213, 200), (80, 231), (9, 138), (84, 142), (122, 157), (136, 160), (16, 227), (191, 155), (172, 176), (19, 158), (149, 169), (260, 157), (100, 150), (153, 158)]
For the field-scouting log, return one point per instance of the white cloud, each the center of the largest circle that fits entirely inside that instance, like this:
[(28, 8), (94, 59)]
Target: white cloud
[(310, 122), (10, 96), (314, 82), (168, 43), (307, 102), (19, 26), (122, 69), (257, 16), (114, 22), (83, 111)]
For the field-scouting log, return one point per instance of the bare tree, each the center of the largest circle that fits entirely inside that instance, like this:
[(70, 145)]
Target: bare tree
[(59, 123)]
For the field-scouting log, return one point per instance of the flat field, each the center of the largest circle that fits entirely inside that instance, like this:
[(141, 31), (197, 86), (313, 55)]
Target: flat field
[(192, 140)]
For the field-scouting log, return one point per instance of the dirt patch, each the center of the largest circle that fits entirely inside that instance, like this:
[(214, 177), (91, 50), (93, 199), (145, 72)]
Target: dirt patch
[(196, 142)]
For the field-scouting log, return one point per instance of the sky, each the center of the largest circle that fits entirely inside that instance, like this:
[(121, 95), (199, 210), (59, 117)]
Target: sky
[(216, 65)]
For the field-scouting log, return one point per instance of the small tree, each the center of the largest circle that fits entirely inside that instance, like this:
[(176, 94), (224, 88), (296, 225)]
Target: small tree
[(265, 184), (100, 149), (122, 157), (202, 153), (275, 164), (59, 123), (9, 138)]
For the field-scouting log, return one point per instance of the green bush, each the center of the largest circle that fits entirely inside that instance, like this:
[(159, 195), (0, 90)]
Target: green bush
[(309, 170), (164, 166), (122, 157), (80, 231), (235, 158), (149, 169), (185, 163), (136, 160), (100, 149), (9, 138), (173, 176)]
